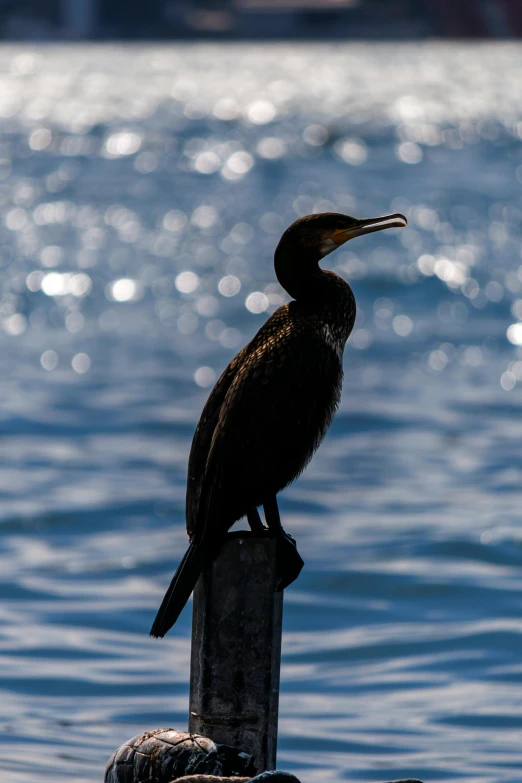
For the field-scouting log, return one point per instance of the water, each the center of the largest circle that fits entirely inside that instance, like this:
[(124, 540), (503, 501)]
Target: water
[(122, 170)]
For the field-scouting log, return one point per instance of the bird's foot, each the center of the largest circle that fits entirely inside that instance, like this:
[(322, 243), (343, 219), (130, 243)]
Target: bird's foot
[(261, 532), (288, 561)]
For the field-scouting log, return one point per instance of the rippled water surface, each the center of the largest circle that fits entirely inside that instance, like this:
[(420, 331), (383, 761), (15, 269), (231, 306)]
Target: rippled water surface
[(143, 191)]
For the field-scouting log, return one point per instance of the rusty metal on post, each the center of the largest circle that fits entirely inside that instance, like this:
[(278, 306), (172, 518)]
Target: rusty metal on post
[(236, 649)]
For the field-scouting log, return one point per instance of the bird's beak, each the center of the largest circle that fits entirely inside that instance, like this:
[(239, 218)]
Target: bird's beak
[(368, 226)]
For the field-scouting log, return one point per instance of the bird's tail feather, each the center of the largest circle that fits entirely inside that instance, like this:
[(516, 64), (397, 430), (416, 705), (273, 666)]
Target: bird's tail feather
[(183, 582)]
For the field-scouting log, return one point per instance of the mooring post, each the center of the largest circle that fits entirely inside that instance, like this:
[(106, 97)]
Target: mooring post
[(236, 649)]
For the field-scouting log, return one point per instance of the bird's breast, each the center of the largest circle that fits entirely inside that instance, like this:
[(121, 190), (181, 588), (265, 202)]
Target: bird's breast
[(333, 340)]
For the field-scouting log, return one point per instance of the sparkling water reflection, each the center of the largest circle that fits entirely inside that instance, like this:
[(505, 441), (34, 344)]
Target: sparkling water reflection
[(143, 192)]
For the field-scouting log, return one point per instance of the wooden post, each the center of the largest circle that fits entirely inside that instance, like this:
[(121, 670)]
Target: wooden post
[(236, 649)]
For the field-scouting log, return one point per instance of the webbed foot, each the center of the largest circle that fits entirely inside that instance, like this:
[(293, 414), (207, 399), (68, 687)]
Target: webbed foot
[(288, 561)]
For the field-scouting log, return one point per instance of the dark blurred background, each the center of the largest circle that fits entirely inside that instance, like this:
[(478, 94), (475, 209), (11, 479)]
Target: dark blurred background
[(258, 19)]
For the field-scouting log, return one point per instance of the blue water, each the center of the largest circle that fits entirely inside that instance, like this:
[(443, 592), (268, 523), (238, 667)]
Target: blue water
[(123, 168)]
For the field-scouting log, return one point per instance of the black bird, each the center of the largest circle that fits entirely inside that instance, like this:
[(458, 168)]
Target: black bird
[(272, 406)]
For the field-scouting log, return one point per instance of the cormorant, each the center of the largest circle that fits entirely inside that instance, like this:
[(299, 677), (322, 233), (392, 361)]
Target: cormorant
[(272, 406)]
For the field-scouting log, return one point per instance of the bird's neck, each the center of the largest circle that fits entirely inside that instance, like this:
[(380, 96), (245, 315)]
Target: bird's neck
[(300, 276), (319, 292)]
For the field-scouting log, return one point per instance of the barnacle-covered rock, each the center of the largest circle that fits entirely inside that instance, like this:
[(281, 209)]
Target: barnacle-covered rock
[(165, 754)]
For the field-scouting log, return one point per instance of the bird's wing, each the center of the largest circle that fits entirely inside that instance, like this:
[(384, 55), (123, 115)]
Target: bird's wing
[(278, 404), (203, 438)]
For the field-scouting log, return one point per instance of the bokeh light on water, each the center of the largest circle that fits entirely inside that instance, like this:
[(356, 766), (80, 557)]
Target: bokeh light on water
[(143, 191)]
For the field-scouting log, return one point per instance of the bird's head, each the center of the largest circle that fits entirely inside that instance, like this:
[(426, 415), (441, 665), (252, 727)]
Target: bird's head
[(318, 235), (313, 237)]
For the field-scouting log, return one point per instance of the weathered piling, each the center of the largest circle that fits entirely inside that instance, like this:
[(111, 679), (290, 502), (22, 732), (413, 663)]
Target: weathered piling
[(236, 649), (234, 682)]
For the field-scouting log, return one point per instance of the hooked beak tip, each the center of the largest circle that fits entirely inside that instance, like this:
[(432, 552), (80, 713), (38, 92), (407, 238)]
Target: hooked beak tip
[(386, 221)]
